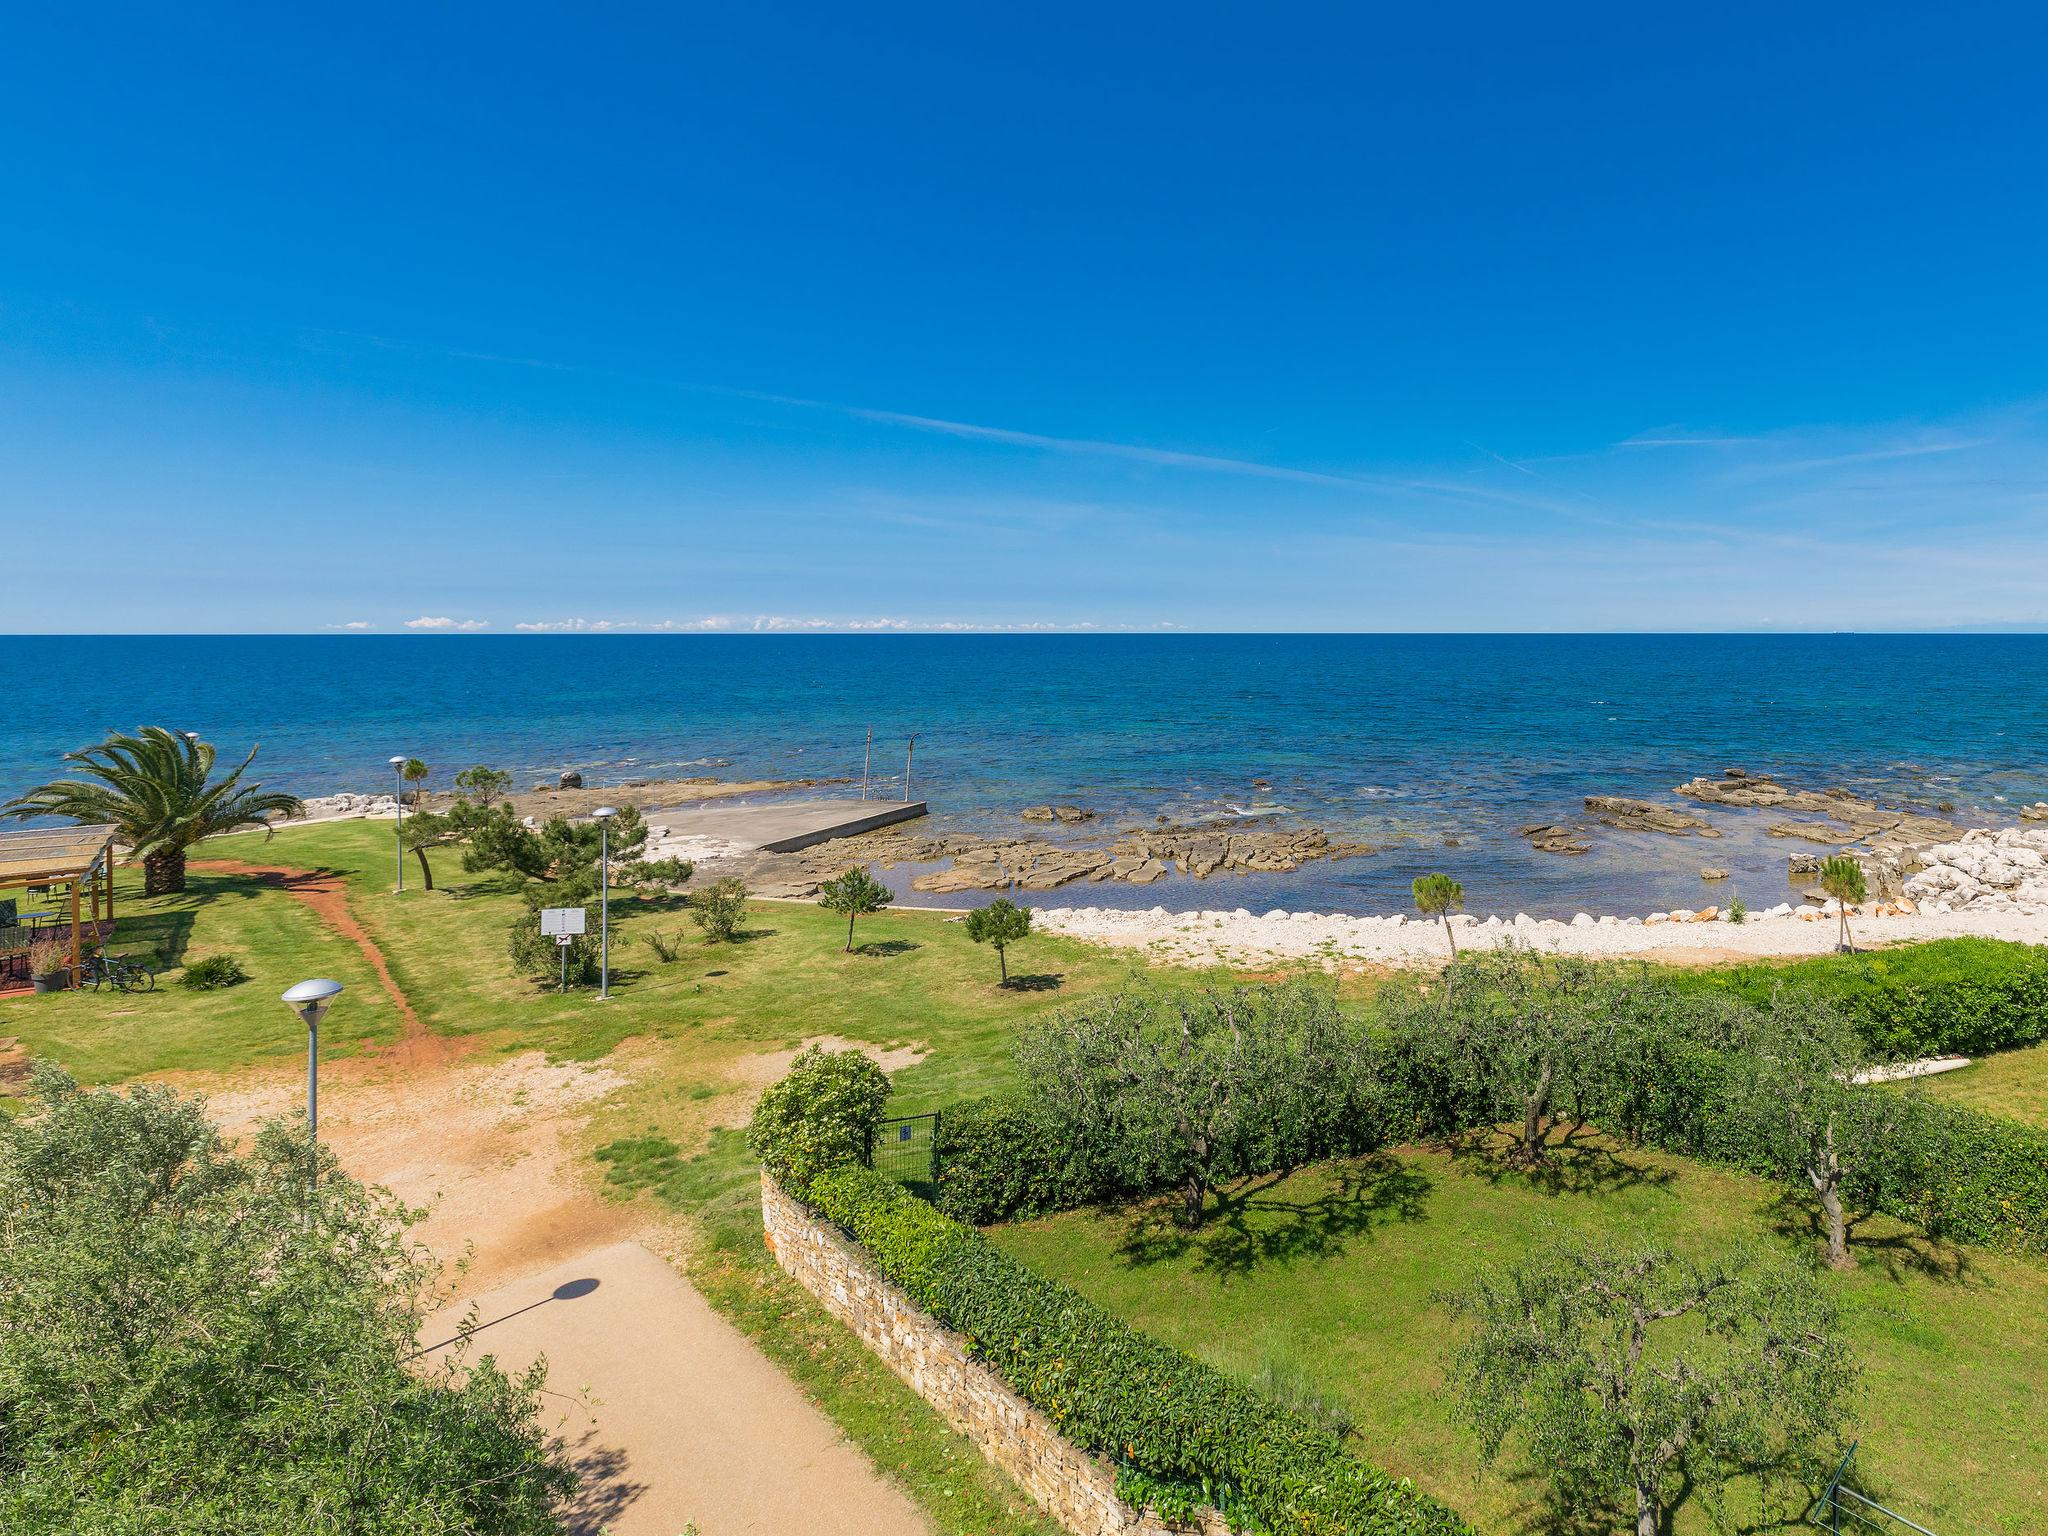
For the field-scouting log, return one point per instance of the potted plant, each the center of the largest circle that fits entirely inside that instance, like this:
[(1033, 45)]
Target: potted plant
[(49, 965)]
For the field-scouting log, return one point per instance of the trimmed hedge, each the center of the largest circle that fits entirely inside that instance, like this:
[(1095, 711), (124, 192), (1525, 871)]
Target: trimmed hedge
[(998, 1158), (1180, 1433), (1964, 997)]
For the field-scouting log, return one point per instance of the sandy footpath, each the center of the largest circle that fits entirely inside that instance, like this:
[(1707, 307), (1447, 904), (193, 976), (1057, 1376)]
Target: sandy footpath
[(1242, 938)]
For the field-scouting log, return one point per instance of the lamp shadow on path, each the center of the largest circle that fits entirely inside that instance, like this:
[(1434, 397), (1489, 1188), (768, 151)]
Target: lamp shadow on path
[(568, 1290)]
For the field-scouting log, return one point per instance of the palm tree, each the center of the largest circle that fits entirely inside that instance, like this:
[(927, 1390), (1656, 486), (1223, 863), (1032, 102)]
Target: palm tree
[(156, 788), (1439, 896), (414, 772), (1842, 878)]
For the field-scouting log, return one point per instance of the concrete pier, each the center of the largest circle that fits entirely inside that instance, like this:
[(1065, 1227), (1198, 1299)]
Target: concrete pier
[(787, 825)]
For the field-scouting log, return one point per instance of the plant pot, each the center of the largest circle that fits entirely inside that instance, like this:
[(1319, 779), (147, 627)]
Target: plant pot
[(55, 981)]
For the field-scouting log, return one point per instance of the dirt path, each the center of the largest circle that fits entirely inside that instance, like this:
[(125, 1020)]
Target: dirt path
[(327, 894)]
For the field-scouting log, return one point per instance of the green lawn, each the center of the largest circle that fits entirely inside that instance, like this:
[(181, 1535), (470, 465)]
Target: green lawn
[(2013, 1083), (110, 1036), (915, 977), (1333, 1273)]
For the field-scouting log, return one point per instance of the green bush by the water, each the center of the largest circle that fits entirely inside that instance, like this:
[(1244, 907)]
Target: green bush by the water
[(1966, 997), (1180, 1433)]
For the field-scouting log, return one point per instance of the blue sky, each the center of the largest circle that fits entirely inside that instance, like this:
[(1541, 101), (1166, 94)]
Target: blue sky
[(1323, 317)]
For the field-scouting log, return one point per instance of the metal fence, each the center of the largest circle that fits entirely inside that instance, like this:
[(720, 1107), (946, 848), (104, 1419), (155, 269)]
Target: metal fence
[(1841, 1509), (906, 1150)]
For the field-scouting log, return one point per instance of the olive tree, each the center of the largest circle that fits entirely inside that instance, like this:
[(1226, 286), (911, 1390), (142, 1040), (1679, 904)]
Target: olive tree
[(194, 1340), (1001, 923), (1633, 1374), (1791, 1090), (1507, 1034), (1151, 1089), (856, 894)]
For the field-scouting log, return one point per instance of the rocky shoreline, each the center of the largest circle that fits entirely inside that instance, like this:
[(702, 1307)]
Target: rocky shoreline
[(1333, 941), (1915, 863)]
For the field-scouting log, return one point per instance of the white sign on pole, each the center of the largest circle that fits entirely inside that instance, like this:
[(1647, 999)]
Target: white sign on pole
[(561, 922)]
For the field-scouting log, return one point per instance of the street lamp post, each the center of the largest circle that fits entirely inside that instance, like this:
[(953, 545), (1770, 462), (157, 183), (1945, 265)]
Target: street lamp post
[(398, 827), (310, 1000), (604, 815)]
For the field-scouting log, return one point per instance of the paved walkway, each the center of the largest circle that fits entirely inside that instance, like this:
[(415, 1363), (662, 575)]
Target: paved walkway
[(685, 1420)]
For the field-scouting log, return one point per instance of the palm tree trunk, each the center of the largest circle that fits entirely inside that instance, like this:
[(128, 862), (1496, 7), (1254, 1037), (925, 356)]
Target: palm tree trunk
[(163, 874), (1450, 935), (1844, 915), (849, 932)]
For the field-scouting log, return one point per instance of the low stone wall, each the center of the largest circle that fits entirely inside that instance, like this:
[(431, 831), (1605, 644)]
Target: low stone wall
[(1076, 1489)]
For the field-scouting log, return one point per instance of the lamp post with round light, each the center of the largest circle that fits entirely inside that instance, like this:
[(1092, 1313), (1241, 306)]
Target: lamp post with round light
[(310, 1000), (604, 815), (398, 832)]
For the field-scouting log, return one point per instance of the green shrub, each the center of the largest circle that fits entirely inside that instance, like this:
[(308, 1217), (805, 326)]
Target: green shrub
[(720, 909), (212, 973), (822, 1115), (1966, 997), (1179, 1432)]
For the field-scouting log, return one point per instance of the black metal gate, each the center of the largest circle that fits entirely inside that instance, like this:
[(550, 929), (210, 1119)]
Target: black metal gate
[(906, 1150)]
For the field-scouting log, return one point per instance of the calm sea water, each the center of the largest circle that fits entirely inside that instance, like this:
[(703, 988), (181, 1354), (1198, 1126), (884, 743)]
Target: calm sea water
[(1400, 741)]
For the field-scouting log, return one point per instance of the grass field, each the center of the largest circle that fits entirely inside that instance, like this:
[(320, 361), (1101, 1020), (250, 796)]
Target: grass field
[(2013, 1083), (1331, 1272), (1334, 1273)]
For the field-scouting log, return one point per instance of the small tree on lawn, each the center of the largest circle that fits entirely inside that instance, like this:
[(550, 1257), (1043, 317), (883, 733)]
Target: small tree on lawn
[(1001, 923), (1438, 896), (857, 894), (424, 830), (1842, 878), (1791, 1088), (414, 772), (482, 784), (720, 909), (1636, 1375)]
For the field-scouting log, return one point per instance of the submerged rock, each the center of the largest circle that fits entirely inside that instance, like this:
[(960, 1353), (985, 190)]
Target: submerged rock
[(1548, 838)]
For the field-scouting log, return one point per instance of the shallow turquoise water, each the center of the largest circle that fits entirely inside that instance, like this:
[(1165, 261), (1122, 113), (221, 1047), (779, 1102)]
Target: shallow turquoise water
[(1396, 740)]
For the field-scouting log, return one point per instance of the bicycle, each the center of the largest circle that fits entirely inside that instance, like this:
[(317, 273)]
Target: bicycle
[(103, 970)]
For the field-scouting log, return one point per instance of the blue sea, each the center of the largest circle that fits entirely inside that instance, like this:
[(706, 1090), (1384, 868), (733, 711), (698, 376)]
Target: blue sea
[(1403, 742)]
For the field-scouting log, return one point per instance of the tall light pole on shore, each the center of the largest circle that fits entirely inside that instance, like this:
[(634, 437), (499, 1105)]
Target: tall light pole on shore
[(866, 759), (908, 754), (310, 1000), (398, 827), (604, 815)]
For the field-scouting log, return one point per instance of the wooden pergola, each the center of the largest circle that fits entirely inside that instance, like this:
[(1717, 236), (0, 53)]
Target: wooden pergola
[(80, 860)]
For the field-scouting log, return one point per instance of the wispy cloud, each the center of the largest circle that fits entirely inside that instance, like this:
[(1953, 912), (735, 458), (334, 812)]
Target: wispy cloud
[(778, 623), (352, 624), (447, 623)]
